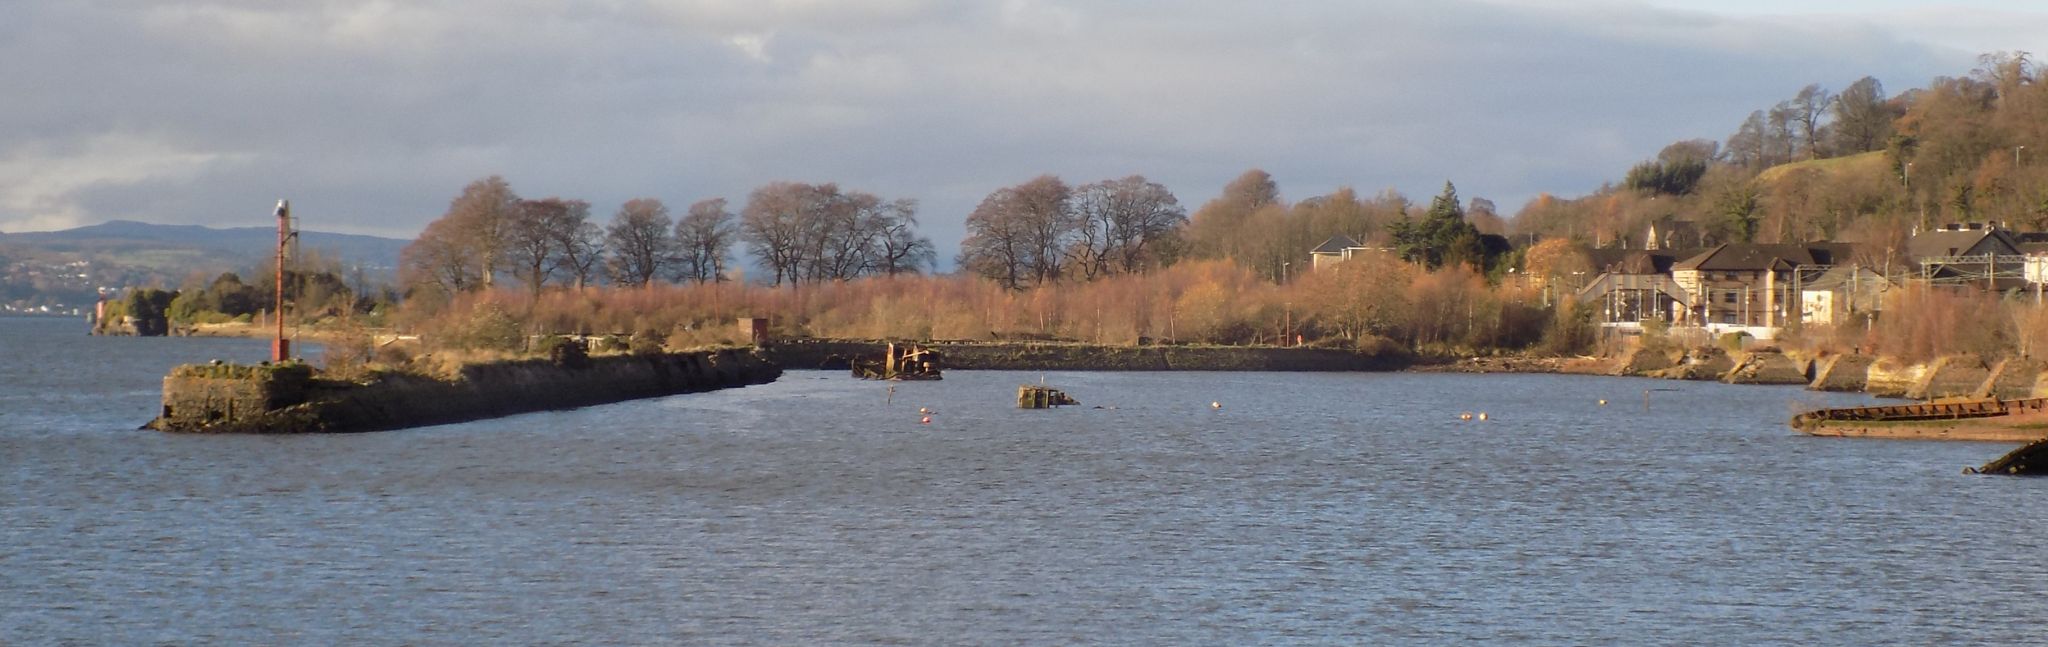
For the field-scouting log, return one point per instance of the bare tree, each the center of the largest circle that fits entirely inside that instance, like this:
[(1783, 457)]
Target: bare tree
[(1782, 138), (1862, 121), (581, 243), (1218, 229), (844, 228), (440, 259), (903, 251), (772, 224), (1808, 110), (481, 216), (704, 239), (533, 240), (1119, 222), (640, 242), (1020, 234), (1749, 146), (995, 247)]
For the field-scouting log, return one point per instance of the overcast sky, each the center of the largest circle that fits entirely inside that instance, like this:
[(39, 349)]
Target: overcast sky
[(371, 116)]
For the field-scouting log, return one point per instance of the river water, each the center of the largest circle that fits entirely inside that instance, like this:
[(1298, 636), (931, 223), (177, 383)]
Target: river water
[(1310, 508)]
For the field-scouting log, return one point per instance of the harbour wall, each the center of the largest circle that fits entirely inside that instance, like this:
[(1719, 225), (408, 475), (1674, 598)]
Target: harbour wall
[(293, 398), (1030, 356)]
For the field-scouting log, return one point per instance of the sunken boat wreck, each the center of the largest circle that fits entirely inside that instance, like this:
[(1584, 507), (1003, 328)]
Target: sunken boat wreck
[(900, 362)]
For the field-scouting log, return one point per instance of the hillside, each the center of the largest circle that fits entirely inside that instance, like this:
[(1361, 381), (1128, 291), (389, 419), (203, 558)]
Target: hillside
[(1861, 164), (63, 270)]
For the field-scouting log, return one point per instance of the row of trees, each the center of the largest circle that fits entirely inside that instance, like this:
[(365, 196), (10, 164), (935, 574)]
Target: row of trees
[(1043, 230), (798, 231), (817, 232)]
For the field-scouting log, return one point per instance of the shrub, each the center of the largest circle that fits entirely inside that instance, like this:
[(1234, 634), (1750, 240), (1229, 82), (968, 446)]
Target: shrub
[(564, 351), (648, 341), (491, 328)]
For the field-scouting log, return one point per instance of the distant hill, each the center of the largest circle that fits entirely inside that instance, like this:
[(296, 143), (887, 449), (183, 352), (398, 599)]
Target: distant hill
[(62, 271), (174, 246)]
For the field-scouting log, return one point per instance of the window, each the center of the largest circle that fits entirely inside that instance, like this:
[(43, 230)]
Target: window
[(1728, 297)]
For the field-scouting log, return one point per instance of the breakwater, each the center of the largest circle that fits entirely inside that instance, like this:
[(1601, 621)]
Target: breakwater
[(293, 398), (1030, 356)]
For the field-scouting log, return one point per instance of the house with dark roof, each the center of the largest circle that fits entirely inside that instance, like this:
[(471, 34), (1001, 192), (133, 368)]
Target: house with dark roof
[(1842, 294), (1337, 249), (1750, 285), (1976, 254)]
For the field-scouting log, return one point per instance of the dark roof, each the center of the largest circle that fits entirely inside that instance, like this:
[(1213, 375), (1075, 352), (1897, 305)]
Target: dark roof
[(1753, 257), (1634, 261), (1845, 275), (1335, 245), (1951, 242)]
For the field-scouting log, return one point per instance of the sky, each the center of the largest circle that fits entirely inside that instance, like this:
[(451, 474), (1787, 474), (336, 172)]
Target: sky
[(371, 116)]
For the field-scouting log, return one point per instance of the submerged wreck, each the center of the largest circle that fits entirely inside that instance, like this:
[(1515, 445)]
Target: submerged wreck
[(1985, 420), (900, 362), (1042, 397), (2024, 420)]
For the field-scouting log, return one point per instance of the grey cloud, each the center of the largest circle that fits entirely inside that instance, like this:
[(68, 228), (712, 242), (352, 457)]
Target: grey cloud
[(375, 114)]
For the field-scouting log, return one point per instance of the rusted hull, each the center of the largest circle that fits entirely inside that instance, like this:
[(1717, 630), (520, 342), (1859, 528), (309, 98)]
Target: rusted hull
[(1986, 420), (2001, 429)]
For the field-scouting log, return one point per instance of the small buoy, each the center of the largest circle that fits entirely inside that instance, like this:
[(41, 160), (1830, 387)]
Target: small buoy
[(1482, 416), (1216, 405), (1465, 416), (926, 421), (924, 410), (1603, 402)]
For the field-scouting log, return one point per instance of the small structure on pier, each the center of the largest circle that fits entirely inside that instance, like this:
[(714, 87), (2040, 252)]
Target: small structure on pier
[(1032, 396), (900, 362)]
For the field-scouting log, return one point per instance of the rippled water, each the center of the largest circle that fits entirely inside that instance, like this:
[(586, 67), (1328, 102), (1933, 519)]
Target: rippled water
[(1312, 508)]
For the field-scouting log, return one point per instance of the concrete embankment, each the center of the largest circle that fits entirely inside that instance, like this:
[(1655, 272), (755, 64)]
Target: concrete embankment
[(1027, 356), (293, 399), (1947, 377)]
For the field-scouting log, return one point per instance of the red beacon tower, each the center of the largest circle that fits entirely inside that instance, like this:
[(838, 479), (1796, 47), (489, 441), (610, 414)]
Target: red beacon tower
[(281, 348)]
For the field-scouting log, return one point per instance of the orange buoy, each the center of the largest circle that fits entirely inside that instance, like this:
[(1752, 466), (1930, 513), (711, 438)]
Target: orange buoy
[(1465, 416), (926, 421)]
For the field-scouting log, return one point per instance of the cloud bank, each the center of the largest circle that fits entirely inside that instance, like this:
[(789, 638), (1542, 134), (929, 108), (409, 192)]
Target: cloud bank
[(371, 116)]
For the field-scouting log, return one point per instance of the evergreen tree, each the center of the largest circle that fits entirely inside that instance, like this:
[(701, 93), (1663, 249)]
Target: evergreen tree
[(1441, 236)]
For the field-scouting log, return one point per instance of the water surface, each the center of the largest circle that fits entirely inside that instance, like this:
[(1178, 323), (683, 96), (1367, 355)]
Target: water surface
[(1310, 508)]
